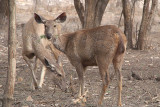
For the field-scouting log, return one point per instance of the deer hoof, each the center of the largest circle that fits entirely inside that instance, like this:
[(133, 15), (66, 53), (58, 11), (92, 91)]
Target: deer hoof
[(37, 87), (99, 103), (119, 104), (81, 99)]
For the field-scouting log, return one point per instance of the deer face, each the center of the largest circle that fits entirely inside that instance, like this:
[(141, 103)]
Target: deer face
[(52, 27)]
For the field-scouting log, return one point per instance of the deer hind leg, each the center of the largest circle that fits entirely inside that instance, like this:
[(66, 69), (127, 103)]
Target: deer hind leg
[(42, 76), (103, 63), (117, 63), (32, 70)]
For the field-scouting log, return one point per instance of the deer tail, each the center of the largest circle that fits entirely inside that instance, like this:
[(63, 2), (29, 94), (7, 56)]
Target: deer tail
[(121, 46)]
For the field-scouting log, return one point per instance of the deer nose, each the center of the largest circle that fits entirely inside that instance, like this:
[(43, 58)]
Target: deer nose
[(48, 35)]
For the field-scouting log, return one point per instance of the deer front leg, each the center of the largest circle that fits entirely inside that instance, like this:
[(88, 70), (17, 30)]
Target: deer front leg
[(56, 54), (81, 95), (55, 51), (32, 70), (35, 71), (42, 76), (36, 64), (80, 71)]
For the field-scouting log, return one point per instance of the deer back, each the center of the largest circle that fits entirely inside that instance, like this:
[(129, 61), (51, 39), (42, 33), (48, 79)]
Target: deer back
[(85, 45)]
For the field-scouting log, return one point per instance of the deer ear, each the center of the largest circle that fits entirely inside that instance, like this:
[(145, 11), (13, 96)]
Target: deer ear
[(38, 18), (46, 62), (61, 18)]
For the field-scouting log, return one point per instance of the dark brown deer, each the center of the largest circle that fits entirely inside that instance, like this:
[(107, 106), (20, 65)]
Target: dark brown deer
[(35, 44), (93, 47)]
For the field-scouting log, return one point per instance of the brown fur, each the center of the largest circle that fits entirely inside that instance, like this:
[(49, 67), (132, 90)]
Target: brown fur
[(95, 47)]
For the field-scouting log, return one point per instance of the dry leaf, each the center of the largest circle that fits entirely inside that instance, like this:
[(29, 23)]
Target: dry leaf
[(20, 79), (29, 98)]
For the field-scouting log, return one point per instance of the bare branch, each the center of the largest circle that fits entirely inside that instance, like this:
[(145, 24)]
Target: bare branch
[(120, 19), (100, 8), (128, 21), (80, 10), (152, 13)]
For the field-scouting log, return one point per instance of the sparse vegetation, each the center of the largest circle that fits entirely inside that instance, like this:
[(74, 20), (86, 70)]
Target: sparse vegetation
[(141, 69)]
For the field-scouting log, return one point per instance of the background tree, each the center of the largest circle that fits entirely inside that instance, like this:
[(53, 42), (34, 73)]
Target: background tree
[(91, 15), (128, 21), (146, 23), (11, 73), (4, 11)]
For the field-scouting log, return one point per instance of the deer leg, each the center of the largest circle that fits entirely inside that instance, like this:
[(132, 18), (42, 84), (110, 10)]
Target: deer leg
[(117, 63), (42, 76), (80, 72), (56, 54), (103, 69), (36, 64), (32, 70), (105, 83), (119, 74), (35, 70), (81, 96), (59, 61)]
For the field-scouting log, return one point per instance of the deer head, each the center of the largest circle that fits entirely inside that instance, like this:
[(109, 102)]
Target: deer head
[(52, 27)]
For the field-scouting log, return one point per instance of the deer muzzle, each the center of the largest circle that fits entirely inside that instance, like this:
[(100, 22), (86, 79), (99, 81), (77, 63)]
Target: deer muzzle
[(49, 36)]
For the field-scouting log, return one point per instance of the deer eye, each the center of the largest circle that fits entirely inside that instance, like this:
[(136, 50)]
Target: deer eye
[(45, 27), (54, 26)]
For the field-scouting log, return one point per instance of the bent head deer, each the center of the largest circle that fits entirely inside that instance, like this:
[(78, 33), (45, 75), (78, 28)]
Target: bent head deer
[(94, 47), (34, 45)]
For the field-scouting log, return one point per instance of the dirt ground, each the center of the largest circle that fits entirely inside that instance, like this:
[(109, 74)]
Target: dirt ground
[(142, 91)]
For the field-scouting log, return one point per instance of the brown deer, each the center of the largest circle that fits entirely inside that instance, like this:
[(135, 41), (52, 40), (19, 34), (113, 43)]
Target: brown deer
[(93, 47), (35, 44)]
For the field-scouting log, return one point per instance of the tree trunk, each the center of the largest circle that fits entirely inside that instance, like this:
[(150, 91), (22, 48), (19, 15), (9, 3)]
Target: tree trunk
[(4, 11), (146, 23), (91, 15), (128, 23), (11, 73)]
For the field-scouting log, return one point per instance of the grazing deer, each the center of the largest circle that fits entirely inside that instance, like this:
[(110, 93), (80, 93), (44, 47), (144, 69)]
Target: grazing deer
[(93, 47), (35, 44)]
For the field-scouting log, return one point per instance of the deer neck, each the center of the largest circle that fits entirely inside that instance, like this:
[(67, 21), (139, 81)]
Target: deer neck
[(61, 43)]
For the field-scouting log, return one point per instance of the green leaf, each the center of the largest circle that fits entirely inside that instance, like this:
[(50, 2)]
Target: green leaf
[(42, 36)]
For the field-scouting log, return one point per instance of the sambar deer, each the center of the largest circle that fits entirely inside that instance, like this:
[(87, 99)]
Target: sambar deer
[(93, 47), (35, 44)]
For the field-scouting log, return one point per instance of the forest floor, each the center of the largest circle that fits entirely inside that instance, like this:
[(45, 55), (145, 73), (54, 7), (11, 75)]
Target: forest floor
[(137, 92)]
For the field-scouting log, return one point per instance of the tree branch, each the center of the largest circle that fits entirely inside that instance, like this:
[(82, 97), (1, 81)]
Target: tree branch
[(127, 21), (100, 8), (80, 10), (151, 14)]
